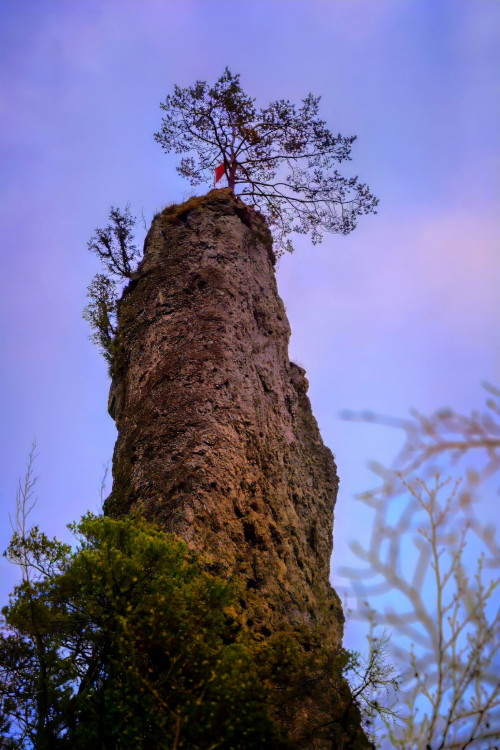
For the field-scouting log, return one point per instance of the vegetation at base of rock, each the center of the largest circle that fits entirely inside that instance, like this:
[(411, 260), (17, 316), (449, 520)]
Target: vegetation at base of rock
[(283, 158), (127, 642)]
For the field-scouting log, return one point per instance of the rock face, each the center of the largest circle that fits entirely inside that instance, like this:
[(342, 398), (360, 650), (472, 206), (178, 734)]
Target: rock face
[(216, 437)]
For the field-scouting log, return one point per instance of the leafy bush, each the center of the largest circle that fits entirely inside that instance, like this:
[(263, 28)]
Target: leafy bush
[(123, 643), (128, 641)]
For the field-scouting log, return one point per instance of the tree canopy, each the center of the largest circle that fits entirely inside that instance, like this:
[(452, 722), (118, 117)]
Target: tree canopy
[(281, 159), (124, 643), (128, 641)]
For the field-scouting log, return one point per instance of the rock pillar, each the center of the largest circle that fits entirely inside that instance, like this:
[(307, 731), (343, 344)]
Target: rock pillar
[(216, 437)]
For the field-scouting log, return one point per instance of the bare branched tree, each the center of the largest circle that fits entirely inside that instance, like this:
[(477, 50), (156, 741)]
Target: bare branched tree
[(26, 669), (25, 502), (431, 574), (444, 436), (114, 245)]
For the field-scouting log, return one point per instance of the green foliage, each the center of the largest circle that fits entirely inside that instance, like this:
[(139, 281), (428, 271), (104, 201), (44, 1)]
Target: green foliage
[(332, 690), (127, 642), (124, 643), (282, 158), (101, 313), (119, 256)]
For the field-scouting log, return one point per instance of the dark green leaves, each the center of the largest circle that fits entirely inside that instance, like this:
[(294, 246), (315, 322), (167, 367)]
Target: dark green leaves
[(124, 643)]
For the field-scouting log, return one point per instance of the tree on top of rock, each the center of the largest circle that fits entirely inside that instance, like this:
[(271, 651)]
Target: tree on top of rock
[(281, 159)]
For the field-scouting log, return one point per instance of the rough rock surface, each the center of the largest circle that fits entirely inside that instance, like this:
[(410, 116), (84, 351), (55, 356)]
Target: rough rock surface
[(216, 437)]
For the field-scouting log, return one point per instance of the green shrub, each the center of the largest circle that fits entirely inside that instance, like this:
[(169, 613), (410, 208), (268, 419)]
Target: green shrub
[(126, 643)]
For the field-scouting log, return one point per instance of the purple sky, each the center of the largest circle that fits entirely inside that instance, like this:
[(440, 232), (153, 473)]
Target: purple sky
[(401, 313)]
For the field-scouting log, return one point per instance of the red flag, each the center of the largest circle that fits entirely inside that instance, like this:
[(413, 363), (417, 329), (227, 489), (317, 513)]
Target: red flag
[(219, 172)]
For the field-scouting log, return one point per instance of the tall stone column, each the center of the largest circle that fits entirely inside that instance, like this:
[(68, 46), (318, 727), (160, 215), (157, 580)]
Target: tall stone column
[(216, 437)]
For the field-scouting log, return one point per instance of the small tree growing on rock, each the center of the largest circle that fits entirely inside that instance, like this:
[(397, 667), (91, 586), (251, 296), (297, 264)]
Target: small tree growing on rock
[(114, 245), (119, 256), (101, 312), (282, 159)]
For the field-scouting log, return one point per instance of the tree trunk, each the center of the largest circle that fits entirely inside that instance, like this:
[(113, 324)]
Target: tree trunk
[(231, 175)]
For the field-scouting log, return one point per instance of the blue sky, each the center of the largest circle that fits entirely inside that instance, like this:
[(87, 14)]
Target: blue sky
[(401, 313)]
